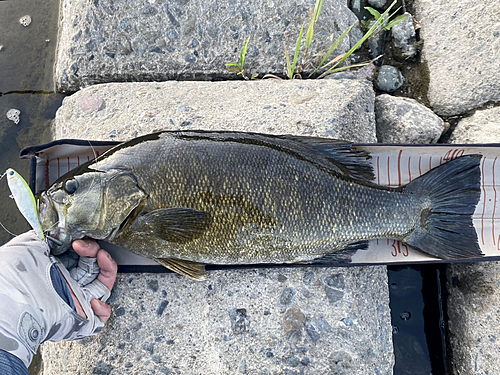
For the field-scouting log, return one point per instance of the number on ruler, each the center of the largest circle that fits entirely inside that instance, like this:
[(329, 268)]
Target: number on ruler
[(396, 245), (453, 154)]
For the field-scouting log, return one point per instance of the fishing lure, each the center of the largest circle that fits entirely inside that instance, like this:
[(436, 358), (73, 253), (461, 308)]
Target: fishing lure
[(25, 201)]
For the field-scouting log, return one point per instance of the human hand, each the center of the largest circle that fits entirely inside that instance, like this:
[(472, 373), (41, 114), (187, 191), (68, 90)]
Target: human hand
[(94, 263), (37, 293)]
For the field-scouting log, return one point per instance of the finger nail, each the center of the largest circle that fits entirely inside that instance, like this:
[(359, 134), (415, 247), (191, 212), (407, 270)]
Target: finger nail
[(83, 243)]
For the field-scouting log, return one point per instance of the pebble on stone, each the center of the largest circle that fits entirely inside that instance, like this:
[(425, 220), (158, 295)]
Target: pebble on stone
[(311, 331), (25, 20), (152, 285), (240, 321), (341, 363), (347, 321), (287, 296), (102, 368), (293, 322), (404, 38), (389, 78), (334, 287), (13, 115), (90, 103), (161, 308)]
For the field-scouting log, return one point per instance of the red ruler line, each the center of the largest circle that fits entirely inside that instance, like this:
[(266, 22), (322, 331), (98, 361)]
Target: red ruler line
[(47, 176), (484, 201), (399, 167), (378, 170), (388, 171), (494, 204), (409, 169)]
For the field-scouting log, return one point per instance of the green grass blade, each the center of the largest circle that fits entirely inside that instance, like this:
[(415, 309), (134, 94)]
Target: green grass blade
[(335, 45), (244, 52), (369, 33), (396, 21), (297, 49), (336, 70), (317, 9), (288, 67), (312, 23), (373, 12)]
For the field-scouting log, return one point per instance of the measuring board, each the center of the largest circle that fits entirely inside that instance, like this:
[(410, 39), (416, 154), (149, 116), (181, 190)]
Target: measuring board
[(394, 165)]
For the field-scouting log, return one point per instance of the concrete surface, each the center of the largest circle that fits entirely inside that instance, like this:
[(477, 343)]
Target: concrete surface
[(474, 296), (404, 120), (264, 321), (462, 50), (328, 108), (129, 40)]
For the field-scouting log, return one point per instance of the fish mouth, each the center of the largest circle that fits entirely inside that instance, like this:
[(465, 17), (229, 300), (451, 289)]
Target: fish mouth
[(52, 218)]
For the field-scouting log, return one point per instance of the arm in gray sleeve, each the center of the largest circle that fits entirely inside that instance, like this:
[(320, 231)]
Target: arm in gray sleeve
[(34, 303)]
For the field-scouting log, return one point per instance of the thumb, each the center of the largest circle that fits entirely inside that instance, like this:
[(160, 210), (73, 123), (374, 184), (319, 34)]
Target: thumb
[(101, 310)]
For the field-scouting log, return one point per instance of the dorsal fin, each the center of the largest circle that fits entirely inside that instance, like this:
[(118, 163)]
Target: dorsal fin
[(346, 160)]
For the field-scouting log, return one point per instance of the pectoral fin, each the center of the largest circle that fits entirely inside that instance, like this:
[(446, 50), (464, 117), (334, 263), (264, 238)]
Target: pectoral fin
[(178, 225), (193, 270)]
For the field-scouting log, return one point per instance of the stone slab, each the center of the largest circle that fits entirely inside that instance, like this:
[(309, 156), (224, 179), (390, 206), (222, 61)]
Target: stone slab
[(327, 108), (127, 40), (263, 321), (474, 288), (462, 50)]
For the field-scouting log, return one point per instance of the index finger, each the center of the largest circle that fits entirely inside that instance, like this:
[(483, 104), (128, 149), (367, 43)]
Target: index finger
[(108, 267)]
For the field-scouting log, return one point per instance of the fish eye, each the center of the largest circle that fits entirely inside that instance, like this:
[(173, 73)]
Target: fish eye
[(11, 173), (71, 186)]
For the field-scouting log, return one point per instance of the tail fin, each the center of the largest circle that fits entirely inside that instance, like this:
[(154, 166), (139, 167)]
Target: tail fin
[(452, 190)]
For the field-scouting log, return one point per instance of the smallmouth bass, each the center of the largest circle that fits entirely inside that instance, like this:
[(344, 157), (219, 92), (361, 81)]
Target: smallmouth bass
[(186, 199)]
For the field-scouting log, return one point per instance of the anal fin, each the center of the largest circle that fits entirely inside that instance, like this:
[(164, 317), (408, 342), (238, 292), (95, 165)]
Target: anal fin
[(342, 256), (193, 270)]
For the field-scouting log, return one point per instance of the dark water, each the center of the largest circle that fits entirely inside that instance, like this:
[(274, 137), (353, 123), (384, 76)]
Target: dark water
[(26, 67), (26, 63), (417, 319)]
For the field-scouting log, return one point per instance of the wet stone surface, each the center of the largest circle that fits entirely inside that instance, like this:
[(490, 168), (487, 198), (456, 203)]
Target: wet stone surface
[(239, 322), (389, 79)]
